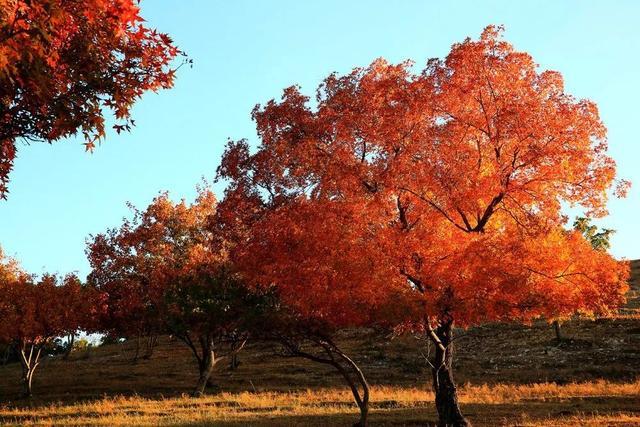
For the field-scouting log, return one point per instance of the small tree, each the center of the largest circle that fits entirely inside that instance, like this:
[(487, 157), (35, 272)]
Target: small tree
[(212, 312), (10, 274), (164, 270), (37, 312), (134, 264), (599, 240), (82, 305)]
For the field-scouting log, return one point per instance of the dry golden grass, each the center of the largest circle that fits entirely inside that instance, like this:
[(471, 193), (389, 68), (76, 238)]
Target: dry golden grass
[(391, 405), (585, 420)]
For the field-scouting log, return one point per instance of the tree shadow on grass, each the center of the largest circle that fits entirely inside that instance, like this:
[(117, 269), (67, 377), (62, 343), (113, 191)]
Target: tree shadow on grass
[(381, 414)]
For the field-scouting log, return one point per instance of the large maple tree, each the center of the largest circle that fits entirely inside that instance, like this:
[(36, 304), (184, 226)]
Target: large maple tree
[(445, 183), (64, 63)]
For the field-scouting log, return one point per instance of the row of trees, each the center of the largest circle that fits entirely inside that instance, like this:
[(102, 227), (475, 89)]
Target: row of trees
[(35, 311), (167, 270), (411, 201), (205, 305)]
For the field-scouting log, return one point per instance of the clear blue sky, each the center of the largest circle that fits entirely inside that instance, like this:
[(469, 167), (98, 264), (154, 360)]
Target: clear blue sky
[(246, 52)]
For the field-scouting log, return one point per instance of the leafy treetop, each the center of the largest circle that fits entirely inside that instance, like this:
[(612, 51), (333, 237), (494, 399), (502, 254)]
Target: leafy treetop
[(446, 184)]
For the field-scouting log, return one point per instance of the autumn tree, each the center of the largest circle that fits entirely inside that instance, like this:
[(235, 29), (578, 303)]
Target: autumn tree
[(64, 63), (599, 240), (213, 313), (135, 263), (314, 260), (35, 311), (166, 270), (10, 273), (127, 267), (455, 175), (83, 307)]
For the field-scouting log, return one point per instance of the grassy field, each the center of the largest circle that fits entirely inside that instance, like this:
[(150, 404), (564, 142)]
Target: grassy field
[(509, 375)]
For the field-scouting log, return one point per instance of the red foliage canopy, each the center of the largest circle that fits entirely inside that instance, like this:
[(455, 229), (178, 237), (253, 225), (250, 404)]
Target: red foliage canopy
[(63, 62), (135, 264), (34, 311), (447, 184)]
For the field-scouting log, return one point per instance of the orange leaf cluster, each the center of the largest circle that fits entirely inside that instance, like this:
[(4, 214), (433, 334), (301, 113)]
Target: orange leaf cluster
[(135, 264), (63, 62), (34, 311)]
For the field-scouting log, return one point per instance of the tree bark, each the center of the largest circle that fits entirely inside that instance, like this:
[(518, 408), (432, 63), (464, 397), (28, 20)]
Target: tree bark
[(30, 360), (557, 329), (447, 405), (205, 368), (350, 371), (361, 400)]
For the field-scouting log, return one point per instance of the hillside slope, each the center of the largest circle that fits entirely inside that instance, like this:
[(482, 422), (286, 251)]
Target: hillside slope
[(602, 355)]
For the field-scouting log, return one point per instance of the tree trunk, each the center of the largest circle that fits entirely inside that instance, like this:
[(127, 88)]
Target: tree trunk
[(350, 371), (71, 339), (205, 368), (557, 330), (27, 382), (447, 405), (30, 362), (151, 343), (234, 362), (206, 357), (361, 400), (137, 354)]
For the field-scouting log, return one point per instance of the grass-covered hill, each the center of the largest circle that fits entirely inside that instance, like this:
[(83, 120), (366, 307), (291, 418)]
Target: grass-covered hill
[(509, 374)]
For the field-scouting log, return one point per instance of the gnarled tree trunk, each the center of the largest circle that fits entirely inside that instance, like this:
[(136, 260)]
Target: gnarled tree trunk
[(350, 371), (447, 405), (206, 358), (360, 382)]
